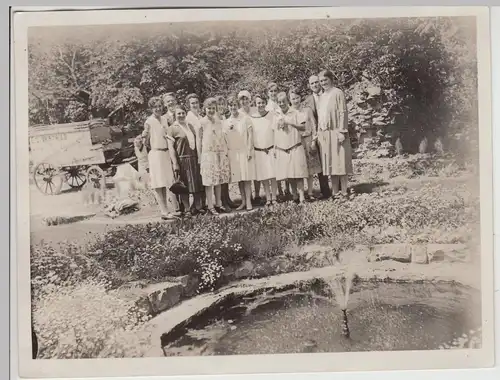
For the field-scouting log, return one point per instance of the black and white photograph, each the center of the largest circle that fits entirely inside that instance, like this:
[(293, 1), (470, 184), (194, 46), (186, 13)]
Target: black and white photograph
[(260, 190)]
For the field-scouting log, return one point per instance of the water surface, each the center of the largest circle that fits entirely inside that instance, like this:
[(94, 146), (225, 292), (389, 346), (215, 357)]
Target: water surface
[(382, 316)]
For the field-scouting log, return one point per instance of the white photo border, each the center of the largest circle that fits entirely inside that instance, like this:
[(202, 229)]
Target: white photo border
[(218, 365)]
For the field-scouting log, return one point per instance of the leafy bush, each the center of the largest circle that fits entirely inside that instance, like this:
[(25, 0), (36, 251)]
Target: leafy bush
[(65, 265), (425, 69)]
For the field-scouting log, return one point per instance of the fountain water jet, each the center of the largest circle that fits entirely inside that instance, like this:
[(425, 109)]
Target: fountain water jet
[(341, 291)]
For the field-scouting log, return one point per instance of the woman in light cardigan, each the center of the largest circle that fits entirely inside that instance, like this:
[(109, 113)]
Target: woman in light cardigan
[(333, 135)]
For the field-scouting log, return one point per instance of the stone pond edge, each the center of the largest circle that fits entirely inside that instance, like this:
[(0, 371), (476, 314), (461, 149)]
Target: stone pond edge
[(459, 273)]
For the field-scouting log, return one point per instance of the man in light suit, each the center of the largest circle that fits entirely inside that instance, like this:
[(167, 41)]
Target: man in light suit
[(312, 101)]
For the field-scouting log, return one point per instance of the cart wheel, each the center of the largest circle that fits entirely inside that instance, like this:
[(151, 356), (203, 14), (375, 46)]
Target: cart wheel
[(96, 178), (75, 177), (47, 179)]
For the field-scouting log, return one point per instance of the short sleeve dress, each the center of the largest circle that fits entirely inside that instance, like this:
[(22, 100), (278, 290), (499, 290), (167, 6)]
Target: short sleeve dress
[(214, 160), (263, 132), (160, 165), (239, 134), (291, 160), (185, 148)]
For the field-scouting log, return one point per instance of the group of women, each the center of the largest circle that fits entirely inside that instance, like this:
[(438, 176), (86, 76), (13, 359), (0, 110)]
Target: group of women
[(268, 140)]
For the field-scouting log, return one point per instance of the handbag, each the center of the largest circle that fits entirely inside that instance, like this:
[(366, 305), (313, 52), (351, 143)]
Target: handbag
[(178, 187)]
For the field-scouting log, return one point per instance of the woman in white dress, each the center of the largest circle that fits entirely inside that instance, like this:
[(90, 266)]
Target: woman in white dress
[(239, 132), (272, 106), (291, 160), (333, 134), (265, 162), (161, 175), (213, 156), (312, 156), (245, 100)]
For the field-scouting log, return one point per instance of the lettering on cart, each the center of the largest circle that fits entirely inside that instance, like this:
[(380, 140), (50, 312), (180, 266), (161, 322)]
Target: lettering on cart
[(45, 138)]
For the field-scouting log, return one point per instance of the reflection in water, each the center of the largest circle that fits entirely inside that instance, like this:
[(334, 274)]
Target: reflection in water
[(382, 317)]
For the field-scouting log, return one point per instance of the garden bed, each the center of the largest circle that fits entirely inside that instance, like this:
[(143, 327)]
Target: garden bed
[(217, 251)]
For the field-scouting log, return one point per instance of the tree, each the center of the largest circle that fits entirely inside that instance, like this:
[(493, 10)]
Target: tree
[(425, 70)]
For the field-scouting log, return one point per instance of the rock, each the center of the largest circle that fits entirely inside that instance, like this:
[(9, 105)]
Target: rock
[(394, 252), (281, 265), (245, 270), (447, 252), (418, 254), (189, 284), (310, 255), (311, 252), (435, 256), (229, 272), (263, 270), (163, 296)]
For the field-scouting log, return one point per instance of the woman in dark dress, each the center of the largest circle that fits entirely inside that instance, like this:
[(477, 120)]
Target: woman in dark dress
[(182, 147)]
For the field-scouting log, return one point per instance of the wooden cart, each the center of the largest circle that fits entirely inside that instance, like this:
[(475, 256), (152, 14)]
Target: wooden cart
[(77, 153)]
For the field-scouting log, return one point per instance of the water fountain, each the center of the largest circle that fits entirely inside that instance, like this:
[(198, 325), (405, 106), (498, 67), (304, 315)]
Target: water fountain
[(353, 316), (341, 291)]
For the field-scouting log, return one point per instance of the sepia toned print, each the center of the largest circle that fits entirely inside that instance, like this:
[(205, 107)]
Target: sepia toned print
[(155, 233)]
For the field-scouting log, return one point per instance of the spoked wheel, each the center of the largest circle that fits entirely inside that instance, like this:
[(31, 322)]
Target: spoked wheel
[(75, 177), (96, 178), (48, 179)]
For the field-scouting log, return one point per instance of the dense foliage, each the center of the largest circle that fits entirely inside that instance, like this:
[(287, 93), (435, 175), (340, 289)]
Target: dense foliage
[(423, 70)]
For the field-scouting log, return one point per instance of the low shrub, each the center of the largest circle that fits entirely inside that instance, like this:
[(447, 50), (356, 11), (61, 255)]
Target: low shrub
[(67, 264), (412, 166), (205, 246), (208, 245)]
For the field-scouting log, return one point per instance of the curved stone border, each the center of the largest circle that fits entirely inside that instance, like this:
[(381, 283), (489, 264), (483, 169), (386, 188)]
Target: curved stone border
[(389, 271)]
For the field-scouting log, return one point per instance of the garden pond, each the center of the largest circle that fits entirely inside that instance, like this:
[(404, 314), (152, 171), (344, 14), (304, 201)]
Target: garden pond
[(382, 316)]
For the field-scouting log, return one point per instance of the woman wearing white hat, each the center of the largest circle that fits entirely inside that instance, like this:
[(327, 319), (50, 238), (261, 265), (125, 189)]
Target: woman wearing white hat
[(245, 99)]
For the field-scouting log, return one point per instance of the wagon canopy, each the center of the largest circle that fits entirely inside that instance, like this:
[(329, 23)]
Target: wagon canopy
[(72, 144)]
